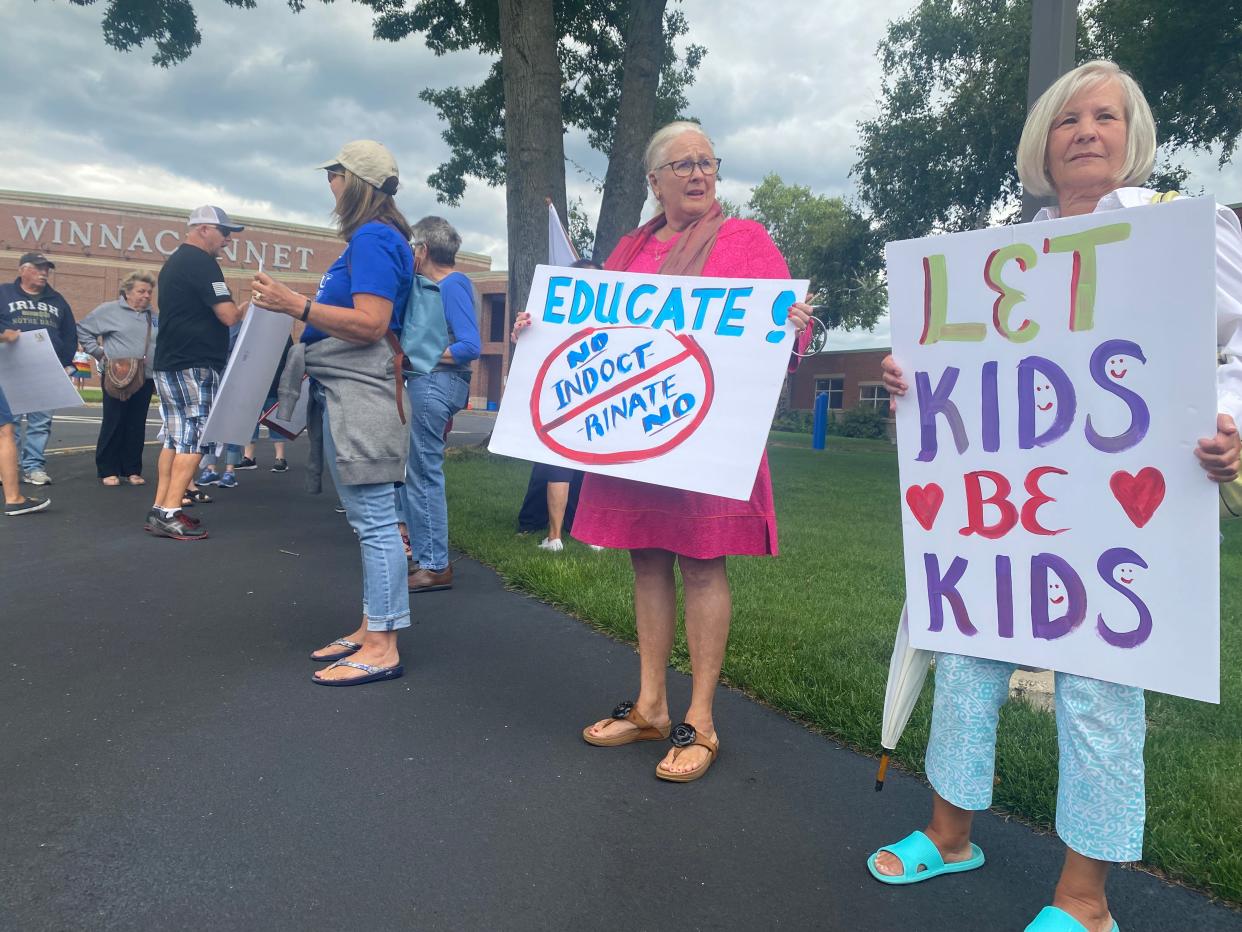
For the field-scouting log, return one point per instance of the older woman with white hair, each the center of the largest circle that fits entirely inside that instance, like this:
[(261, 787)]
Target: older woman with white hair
[(1089, 141), (122, 331), (667, 529)]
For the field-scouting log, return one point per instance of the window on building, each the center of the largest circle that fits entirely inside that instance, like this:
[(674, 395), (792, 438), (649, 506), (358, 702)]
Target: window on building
[(834, 387), (873, 395), (496, 318)]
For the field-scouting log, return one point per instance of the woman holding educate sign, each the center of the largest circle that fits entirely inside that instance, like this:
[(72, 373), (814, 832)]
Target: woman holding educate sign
[(355, 382), (1088, 140), (663, 527)]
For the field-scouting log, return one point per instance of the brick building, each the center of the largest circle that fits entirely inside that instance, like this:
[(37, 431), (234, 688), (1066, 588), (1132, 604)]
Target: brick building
[(96, 243), (850, 377)]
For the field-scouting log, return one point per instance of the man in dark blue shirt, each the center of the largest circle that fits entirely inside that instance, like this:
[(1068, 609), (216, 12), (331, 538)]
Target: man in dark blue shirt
[(31, 304)]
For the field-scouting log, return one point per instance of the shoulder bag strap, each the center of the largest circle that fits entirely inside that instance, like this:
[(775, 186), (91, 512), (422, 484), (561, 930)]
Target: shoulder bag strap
[(397, 359)]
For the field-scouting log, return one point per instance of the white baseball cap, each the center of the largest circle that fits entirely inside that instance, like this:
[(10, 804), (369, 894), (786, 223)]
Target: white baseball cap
[(370, 161), (212, 216)]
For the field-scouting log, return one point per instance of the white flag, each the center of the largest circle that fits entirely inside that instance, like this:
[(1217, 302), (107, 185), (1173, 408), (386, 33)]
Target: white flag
[(560, 250)]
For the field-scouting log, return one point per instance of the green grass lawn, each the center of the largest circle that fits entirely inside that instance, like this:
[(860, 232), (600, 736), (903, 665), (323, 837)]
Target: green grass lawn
[(813, 631)]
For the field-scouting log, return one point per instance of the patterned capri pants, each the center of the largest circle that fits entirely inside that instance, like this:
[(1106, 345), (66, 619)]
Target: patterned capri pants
[(1100, 734)]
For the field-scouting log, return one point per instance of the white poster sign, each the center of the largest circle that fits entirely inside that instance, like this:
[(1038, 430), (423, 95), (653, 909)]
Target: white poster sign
[(32, 377), (664, 379), (247, 377), (1060, 375)]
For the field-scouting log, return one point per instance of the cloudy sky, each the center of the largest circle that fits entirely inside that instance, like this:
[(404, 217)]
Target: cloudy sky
[(269, 94)]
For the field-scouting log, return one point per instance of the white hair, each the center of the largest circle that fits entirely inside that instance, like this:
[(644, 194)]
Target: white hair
[(1140, 127), (663, 138)]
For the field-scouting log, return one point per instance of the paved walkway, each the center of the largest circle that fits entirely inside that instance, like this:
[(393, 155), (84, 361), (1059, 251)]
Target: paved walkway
[(167, 764)]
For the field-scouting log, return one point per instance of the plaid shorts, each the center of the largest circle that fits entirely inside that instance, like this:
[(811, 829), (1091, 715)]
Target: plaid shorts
[(186, 397)]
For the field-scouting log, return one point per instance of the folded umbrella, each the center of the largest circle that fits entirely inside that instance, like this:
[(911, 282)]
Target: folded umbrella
[(907, 671)]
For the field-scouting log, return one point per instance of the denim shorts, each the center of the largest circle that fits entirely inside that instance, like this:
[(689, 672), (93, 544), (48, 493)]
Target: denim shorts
[(186, 397)]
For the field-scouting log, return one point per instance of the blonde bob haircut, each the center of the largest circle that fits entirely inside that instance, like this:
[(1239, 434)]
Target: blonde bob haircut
[(1140, 127), (134, 278), (653, 157)]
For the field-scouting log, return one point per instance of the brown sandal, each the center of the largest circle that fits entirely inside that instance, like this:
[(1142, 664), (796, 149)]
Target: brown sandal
[(684, 736), (625, 713)]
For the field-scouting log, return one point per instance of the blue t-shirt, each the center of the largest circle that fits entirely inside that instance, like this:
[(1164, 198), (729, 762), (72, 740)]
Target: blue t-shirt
[(377, 261), (457, 295)]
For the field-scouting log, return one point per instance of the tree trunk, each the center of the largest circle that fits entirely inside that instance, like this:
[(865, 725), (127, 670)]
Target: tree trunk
[(534, 137), (625, 184)]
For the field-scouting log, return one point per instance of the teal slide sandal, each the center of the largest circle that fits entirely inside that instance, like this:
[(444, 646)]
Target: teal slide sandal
[(917, 851), (1051, 919)]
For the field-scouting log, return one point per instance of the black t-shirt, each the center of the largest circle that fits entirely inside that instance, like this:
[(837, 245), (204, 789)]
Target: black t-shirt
[(191, 285)]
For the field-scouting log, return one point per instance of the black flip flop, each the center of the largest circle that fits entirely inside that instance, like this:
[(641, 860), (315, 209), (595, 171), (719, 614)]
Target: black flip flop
[(373, 674), (350, 647)]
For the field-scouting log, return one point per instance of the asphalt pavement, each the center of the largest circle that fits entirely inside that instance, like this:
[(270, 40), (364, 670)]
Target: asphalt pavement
[(168, 764)]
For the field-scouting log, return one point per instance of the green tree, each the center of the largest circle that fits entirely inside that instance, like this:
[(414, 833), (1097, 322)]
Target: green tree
[(830, 243), (939, 156), (608, 67)]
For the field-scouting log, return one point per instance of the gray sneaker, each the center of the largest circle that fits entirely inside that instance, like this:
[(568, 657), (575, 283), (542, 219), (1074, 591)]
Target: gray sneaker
[(26, 506), (37, 476), (178, 527)]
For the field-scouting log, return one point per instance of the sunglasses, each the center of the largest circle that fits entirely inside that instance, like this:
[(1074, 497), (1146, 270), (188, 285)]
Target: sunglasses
[(335, 171), (224, 231)]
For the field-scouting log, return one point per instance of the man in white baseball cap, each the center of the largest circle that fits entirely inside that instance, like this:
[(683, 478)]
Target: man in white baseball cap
[(370, 161)]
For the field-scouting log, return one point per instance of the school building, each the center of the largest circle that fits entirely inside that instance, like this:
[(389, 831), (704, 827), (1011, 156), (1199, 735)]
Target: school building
[(96, 244), (851, 379)]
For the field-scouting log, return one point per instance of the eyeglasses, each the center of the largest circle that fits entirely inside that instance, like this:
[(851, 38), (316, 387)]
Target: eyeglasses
[(684, 168)]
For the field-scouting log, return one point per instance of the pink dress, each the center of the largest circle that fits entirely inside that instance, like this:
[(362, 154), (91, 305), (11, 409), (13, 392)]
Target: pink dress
[(629, 515)]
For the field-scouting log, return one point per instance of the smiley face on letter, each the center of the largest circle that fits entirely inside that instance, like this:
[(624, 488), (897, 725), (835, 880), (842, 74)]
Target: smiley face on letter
[(1056, 595), (1045, 402), (1118, 367)]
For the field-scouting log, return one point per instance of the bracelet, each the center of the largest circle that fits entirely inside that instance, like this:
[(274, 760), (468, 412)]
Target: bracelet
[(306, 310)]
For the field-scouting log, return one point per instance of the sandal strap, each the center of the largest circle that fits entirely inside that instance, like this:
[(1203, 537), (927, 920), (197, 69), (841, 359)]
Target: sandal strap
[(365, 667), (633, 717), (353, 645)]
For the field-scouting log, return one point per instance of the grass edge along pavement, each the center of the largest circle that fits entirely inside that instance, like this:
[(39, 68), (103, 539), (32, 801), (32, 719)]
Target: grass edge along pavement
[(813, 631)]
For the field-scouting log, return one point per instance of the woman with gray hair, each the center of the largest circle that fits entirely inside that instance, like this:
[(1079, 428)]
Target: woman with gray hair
[(1089, 141), (435, 397), (120, 329)]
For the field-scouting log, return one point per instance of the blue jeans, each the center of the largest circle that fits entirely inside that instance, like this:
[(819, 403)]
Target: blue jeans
[(34, 439), (372, 513), (434, 399)]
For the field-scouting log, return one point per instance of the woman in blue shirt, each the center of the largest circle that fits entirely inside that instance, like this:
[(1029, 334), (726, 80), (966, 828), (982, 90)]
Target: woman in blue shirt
[(351, 359), (434, 399)]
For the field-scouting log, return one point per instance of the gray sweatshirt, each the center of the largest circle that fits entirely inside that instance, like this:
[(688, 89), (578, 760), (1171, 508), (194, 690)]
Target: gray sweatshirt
[(117, 330), (371, 440)]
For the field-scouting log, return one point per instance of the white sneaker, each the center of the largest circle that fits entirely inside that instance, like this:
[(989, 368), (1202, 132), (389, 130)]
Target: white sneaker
[(37, 477), (596, 547), (553, 546)]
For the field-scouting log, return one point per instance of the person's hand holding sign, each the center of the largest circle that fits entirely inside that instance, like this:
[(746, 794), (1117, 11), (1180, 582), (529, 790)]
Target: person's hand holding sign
[(892, 382), (9, 336), (520, 324), (1219, 455)]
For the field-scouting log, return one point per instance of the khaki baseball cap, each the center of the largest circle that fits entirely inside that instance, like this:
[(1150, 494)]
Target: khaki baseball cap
[(370, 161)]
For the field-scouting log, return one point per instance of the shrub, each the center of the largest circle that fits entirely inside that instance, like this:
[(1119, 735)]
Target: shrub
[(866, 423)]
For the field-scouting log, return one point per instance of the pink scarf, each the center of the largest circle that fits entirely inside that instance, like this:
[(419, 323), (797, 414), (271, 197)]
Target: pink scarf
[(688, 255)]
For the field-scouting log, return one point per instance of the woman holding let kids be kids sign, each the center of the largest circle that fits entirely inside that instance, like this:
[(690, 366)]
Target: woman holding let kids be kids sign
[(661, 527), (1089, 140)]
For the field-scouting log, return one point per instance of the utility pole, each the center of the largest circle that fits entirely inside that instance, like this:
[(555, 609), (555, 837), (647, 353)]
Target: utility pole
[(1054, 28)]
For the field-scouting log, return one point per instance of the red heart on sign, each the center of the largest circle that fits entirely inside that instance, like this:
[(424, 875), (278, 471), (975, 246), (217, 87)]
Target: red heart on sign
[(924, 502), (1139, 495)]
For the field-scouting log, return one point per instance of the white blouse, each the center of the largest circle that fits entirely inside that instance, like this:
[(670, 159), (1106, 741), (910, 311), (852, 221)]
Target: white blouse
[(1228, 291)]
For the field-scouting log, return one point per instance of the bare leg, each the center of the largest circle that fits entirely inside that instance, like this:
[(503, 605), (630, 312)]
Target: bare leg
[(181, 469), (709, 606), (655, 616), (949, 831), (248, 451), (10, 475), (1080, 891), (558, 501), (163, 470), (280, 449)]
